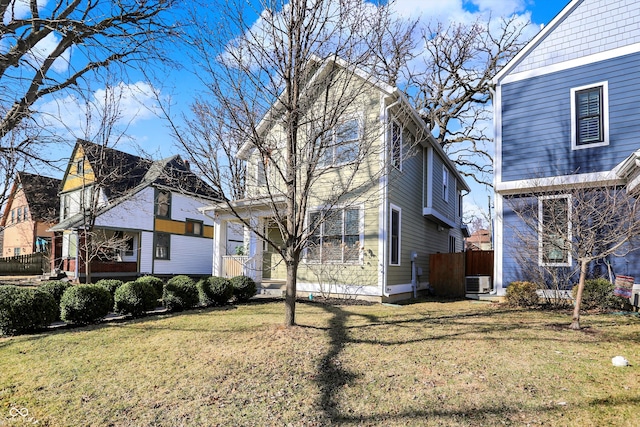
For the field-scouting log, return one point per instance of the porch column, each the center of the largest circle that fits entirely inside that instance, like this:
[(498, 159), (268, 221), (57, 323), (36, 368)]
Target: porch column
[(219, 246), (254, 244)]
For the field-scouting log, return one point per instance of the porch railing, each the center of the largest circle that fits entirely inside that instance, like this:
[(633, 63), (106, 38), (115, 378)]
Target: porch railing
[(234, 265)]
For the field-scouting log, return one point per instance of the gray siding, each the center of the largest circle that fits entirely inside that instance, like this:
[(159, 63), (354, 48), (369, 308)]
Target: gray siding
[(536, 121)]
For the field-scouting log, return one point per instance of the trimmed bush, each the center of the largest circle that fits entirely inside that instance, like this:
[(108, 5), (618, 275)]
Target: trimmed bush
[(180, 293), (522, 294), (110, 284), (243, 288), (214, 290), (25, 310), (597, 294), (157, 283), (135, 298), (84, 304), (56, 289)]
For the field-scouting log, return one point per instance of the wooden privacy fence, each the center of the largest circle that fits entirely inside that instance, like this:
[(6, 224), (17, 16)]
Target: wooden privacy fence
[(37, 263), (447, 272)]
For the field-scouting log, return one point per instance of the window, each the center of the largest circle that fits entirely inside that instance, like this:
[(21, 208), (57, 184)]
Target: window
[(193, 227), (396, 145), (126, 243), (590, 116), (336, 236), (19, 216), (80, 167), (25, 214), (554, 230), (13, 216), (163, 203), (394, 233), (445, 183), (460, 200), (16, 251), (452, 244), (340, 145), (162, 245)]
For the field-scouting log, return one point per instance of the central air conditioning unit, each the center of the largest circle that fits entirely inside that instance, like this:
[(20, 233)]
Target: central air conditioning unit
[(478, 284)]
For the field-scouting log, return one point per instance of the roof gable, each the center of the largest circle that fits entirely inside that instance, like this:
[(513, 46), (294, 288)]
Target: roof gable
[(583, 28), (41, 193)]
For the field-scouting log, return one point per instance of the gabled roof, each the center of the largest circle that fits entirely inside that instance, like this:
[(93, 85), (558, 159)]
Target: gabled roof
[(533, 43), (41, 193)]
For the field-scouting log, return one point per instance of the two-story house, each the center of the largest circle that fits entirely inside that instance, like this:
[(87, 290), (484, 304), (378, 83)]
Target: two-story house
[(31, 209), (383, 195), (149, 208), (566, 116)]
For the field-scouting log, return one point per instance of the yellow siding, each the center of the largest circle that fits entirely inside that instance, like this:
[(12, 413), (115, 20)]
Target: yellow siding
[(73, 180), (179, 227)]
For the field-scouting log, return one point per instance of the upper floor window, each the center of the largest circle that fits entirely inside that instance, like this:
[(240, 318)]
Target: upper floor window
[(396, 145), (80, 167), (336, 236), (340, 145), (589, 116), (163, 203), (193, 227), (65, 206), (19, 214), (263, 167), (554, 230), (445, 183), (460, 202), (13, 216)]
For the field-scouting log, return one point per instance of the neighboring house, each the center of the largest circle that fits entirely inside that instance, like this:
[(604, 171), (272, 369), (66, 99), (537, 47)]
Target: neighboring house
[(480, 240), (31, 209), (566, 114), (375, 243), (151, 206)]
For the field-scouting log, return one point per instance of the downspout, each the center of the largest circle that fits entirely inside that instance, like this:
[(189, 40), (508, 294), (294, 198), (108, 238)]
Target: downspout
[(385, 197)]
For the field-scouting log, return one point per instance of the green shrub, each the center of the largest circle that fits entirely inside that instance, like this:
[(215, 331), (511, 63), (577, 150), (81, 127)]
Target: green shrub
[(597, 294), (180, 293), (243, 288), (522, 294), (214, 290), (56, 289), (84, 304), (110, 284), (135, 298), (25, 310), (157, 283)]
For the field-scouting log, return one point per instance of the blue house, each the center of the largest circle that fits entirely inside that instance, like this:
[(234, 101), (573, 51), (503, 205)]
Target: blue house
[(566, 114)]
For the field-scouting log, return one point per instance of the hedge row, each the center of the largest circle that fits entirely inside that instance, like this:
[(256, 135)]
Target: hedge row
[(30, 309)]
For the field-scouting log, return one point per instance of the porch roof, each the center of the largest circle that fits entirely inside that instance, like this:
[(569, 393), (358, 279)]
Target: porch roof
[(254, 206)]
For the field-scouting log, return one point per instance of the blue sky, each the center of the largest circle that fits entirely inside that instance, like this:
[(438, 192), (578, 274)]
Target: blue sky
[(149, 133)]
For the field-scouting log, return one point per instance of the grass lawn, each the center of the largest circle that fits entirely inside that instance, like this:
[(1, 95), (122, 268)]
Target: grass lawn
[(429, 363)]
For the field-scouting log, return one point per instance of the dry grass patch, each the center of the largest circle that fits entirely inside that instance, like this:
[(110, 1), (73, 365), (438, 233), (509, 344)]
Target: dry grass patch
[(432, 363)]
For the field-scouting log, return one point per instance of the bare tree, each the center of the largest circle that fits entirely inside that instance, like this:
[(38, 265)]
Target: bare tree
[(280, 93), (581, 224), (58, 48), (454, 79)]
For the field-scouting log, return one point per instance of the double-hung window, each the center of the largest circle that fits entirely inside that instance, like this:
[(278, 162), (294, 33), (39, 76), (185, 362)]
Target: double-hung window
[(589, 116), (396, 145), (395, 222), (335, 236), (339, 145), (162, 245), (554, 230), (163, 204)]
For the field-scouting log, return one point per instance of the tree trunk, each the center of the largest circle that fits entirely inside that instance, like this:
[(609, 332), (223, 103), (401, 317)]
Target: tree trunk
[(290, 298), (576, 310)]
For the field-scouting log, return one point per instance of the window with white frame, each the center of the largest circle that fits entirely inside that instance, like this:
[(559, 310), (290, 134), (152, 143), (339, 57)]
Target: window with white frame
[(396, 145), (590, 116), (340, 145), (395, 224), (445, 183), (554, 230), (336, 236)]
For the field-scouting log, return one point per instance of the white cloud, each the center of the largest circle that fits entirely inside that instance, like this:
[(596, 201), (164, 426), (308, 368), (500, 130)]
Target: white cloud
[(43, 49), (20, 9), (82, 118)]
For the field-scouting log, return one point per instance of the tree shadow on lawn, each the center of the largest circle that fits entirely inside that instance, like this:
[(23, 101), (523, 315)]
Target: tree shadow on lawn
[(332, 376)]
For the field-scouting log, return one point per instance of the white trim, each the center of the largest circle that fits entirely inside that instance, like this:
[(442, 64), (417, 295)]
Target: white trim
[(498, 245), (439, 216), (541, 233), (445, 183), (497, 134), (566, 65), (605, 116), (398, 209), (594, 179), (430, 188)]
